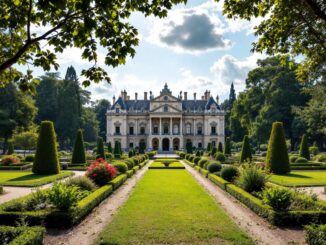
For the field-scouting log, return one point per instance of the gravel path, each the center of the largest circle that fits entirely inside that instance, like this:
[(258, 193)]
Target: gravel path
[(12, 192), (318, 190), (258, 228), (87, 231)]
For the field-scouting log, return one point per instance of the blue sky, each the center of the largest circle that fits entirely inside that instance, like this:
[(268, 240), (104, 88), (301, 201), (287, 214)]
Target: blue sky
[(194, 49)]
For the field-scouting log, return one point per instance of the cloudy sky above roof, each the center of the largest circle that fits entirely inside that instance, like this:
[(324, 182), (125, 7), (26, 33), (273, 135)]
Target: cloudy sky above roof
[(194, 49)]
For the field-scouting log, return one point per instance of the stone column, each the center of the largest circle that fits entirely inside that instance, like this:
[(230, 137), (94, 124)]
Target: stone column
[(194, 122), (136, 127), (150, 126), (170, 125), (180, 128), (160, 128)]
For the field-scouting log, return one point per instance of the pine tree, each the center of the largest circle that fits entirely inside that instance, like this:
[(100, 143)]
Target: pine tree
[(46, 156), (100, 148), (246, 150), (78, 155), (304, 148), (277, 159), (110, 148), (227, 147), (220, 147), (232, 97), (11, 149)]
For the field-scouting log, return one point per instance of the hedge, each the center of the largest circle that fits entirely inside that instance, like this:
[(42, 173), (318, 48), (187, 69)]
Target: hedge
[(14, 167), (130, 173), (60, 219), (22, 235), (78, 154)]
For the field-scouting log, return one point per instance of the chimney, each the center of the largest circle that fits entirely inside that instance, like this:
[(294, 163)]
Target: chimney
[(150, 94), (185, 95), (203, 98), (125, 95), (136, 96), (194, 96), (128, 97), (122, 94), (208, 94), (205, 95), (217, 99), (145, 95), (113, 100)]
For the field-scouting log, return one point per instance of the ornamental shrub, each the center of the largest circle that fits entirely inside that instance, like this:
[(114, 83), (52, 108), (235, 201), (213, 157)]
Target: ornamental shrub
[(130, 153), (314, 150), (29, 158), (110, 147), (198, 154), (220, 147), (229, 173), (293, 158), (62, 196), (278, 198), (11, 149), (220, 157), (78, 154), (315, 234), (46, 156), (246, 150), (100, 148), (277, 159), (189, 147), (214, 167), (117, 151), (213, 151), (196, 160), (227, 147), (130, 162), (83, 182), (251, 179), (191, 158), (209, 147), (101, 172), (202, 162), (304, 149), (121, 167), (301, 160), (10, 160)]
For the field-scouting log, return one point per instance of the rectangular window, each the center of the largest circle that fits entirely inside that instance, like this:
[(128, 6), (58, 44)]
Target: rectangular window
[(117, 110), (199, 145), (131, 145), (142, 130), (155, 130), (117, 129), (199, 130), (131, 130), (213, 130)]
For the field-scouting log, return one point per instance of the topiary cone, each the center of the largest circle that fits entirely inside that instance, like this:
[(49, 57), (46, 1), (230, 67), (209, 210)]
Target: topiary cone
[(304, 149), (220, 147), (277, 159), (78, 155), (246, 150), (100, 148), (46, 156), (227, 147), (110, 148)]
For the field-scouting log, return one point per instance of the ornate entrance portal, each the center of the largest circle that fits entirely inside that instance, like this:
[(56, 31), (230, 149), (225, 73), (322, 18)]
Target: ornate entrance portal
[(176, 143), (165, 144), (155, 144)]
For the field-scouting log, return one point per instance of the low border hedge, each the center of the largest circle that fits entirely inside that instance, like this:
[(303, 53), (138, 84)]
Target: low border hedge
[(20, 167), (163, 167), (58, 219), (22, 235), (293, 218)]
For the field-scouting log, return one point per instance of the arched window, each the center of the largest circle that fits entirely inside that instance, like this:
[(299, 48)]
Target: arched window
[(188, 128), (175, 129)]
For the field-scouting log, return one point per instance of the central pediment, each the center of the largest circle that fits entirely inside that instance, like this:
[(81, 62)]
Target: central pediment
[(166, 108)]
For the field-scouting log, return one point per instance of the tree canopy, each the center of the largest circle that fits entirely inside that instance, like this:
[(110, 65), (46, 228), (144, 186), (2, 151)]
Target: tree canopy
[(33, 31)]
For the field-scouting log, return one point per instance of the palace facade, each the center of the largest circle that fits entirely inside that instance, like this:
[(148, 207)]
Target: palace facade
[(165, 122)]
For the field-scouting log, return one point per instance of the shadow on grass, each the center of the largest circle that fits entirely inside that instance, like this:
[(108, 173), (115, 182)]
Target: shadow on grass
[(293, 175), (30, 177)]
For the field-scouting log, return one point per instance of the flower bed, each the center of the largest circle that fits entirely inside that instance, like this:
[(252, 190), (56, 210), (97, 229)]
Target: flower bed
[(21, 235), (13, 211)]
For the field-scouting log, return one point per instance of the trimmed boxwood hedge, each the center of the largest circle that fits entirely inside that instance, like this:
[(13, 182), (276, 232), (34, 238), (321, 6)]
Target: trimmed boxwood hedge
[(60, 219), (23, 166), (22, 235)]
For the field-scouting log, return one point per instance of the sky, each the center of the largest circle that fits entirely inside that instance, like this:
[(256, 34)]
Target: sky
[(194, 49)]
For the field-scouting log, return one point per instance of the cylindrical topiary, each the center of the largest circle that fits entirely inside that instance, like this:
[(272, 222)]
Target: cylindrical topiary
[(304, 149), (246, 150), (11, 149), (277, 159), (227, 147), (100, 148), (116, 150), (189, 147), (78, 154), (46, 156), (110, 147), (220, 147), (209, 146), (213, 152)]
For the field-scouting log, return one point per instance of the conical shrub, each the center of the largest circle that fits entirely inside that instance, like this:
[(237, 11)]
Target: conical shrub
[(304, 148), (189, 147), (110, 148), (209, 147), (78, 154), (227, 147), (11, 149), (100, 148), (246, 150), (277, 158), (220, 147), (116, 149), (46, 156)]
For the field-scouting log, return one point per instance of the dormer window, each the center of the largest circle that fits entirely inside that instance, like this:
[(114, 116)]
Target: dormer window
[(117, 110), (165, 98), (166, 109)]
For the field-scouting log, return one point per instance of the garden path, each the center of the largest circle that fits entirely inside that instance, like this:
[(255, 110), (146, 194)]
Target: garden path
[(258, 228), (87, 231), (12, 192), (318, 190)]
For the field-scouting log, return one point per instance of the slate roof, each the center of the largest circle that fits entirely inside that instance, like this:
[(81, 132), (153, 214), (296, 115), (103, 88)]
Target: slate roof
[(144, 104)]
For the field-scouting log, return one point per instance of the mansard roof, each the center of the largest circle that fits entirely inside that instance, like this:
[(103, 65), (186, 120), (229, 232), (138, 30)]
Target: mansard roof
[(196, 104), (211, 102), (119, 102), (132, 104)]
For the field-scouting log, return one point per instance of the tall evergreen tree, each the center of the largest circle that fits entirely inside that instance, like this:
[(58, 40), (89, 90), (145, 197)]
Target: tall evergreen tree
[(304, 148), (227, 146), (232, 96), (189, 147), (100, 148), (220, 147), (246, 150), (277, 159), (78, 154), (117, 151), (100, 109), (110, 148)]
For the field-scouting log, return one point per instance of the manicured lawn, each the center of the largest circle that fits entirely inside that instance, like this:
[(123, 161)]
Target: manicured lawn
[(172, 165), (300, 178), (170, 207), (29, 179)]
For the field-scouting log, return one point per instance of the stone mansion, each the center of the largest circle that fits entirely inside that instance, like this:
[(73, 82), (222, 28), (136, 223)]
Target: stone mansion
[(165, 122)]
